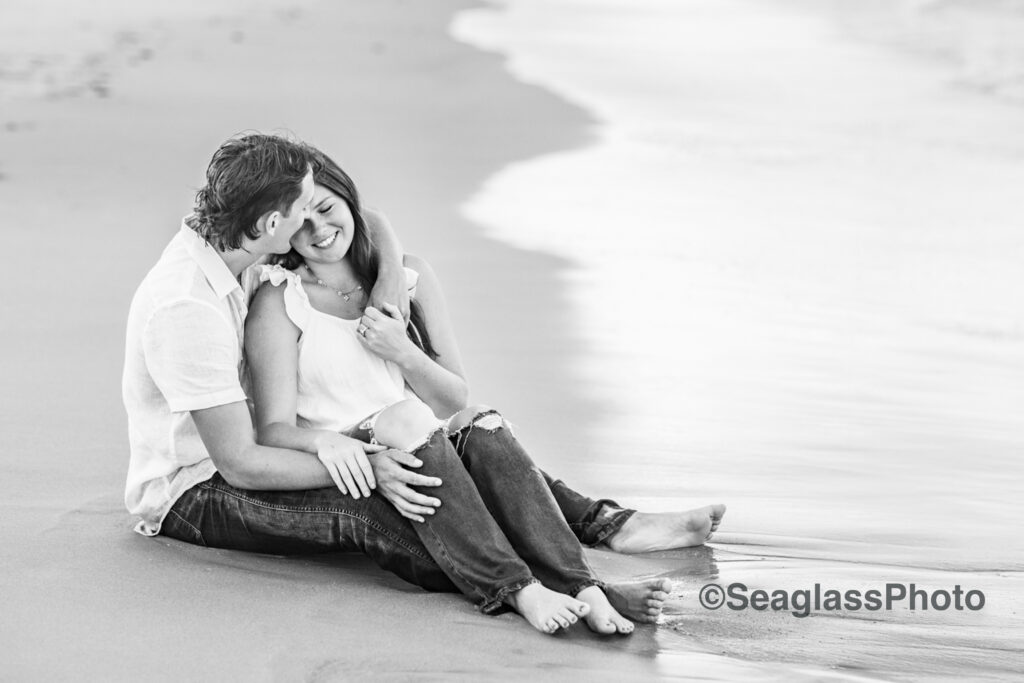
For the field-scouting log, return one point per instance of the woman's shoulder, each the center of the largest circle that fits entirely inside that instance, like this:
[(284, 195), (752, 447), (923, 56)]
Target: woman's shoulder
[(268, 296), (276, 274), (273, 299)]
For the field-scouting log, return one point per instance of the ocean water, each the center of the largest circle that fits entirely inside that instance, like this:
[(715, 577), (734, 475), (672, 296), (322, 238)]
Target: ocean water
[(796, 246)]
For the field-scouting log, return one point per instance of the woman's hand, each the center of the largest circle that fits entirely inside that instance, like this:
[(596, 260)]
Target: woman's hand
[(394, 481), (346, 462), (384, 334)]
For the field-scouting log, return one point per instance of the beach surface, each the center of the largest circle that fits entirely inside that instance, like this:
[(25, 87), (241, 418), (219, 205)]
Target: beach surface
[(105, 141), (840, 443)]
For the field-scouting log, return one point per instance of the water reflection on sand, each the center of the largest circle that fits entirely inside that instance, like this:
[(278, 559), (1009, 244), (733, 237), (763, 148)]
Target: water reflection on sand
[(798, 279)]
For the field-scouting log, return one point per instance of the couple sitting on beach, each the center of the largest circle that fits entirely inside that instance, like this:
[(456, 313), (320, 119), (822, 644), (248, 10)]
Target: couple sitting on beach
[(363, 440)]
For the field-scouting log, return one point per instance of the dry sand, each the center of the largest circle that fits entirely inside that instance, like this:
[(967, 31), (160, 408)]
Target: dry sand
[(102, 146)]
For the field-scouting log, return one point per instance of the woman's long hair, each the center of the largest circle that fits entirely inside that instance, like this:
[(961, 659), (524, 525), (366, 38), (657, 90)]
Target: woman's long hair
[(361, 252)]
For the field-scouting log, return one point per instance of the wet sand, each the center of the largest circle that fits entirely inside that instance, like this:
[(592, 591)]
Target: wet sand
[(97, 165), (827, 333)]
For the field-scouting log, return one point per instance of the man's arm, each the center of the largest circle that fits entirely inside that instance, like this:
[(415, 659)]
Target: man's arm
[(391, 285), (192, 355), (227, 433)]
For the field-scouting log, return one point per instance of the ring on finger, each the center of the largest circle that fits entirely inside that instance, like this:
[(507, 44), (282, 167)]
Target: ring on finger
[(362, 330)]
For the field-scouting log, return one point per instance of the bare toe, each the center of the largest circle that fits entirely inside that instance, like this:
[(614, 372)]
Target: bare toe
[(546, 610), (632, 600), (603, 618)]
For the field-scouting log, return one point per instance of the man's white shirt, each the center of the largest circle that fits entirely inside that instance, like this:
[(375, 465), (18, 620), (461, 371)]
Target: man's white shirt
[(183, 352)]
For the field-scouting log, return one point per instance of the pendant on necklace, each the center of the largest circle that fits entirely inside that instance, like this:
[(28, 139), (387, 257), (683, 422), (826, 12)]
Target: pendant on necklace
[(344, 295)]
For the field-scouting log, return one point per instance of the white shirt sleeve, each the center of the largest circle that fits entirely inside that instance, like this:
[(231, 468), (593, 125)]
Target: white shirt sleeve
[(192, 353)]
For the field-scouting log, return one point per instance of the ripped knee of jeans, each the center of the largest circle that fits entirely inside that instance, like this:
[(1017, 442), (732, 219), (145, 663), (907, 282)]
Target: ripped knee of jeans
[(489, 422), (480, 416), (422, 442), (406, 425), (461, 425)]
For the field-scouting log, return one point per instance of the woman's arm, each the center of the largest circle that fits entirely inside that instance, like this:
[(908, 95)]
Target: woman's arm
[(271, 347), (441, 384), (390, 287)]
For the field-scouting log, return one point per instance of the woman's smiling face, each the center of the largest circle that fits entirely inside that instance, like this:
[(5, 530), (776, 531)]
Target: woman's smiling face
[(327, 233)]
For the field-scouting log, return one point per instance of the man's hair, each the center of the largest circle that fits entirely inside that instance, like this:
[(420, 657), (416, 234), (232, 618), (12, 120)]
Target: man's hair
[(248, 176)]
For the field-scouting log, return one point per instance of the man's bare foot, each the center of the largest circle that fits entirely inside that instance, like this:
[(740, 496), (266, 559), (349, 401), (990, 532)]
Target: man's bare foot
[(546, 610), (602, 617), (647, 531), (639, 600)]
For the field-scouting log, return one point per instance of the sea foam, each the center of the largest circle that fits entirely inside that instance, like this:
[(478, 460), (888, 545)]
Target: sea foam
[(796, 247)]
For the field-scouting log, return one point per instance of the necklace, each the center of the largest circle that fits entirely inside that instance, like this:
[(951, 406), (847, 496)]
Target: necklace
[(344, 295)]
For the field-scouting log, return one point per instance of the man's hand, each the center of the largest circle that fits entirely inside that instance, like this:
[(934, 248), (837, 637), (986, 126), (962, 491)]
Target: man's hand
[(394, 482), (391, 288), (346, 462)]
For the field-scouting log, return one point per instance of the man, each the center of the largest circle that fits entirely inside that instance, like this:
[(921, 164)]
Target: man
[(193, 450)]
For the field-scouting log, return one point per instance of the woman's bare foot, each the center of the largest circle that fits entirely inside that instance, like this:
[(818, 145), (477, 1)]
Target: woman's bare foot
[(546, 610), (647, 531), (602, 617), (639, 600)]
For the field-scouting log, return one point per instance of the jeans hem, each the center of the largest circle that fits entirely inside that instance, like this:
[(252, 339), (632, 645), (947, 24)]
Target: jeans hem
[(593, 529), (493, 605), (612, 526), (583, 585)]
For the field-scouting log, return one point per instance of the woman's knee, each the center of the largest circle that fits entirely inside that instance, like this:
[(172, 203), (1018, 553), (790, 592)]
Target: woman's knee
[(480, 415), (405, 425)]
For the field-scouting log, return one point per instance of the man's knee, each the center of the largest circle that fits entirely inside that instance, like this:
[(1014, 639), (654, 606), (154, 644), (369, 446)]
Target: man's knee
[(405, 425), (480, 416)]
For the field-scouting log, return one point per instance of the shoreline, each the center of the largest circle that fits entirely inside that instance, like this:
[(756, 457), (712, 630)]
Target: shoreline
[(423, 122), (846, 415)]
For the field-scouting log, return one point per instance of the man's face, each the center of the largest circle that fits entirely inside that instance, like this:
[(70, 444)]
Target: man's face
[(298, 213)]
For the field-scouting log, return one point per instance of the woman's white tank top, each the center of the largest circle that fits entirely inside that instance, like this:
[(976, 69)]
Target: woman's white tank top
[(339, 381)]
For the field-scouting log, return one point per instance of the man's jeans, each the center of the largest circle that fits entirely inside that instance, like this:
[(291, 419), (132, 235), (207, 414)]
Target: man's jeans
[(502, 523)]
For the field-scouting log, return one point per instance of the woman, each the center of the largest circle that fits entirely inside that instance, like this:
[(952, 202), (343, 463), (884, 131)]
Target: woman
[(323, 364)]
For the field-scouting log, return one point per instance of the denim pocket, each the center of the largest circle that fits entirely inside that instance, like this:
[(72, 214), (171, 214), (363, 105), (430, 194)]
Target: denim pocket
[(176, 525)]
